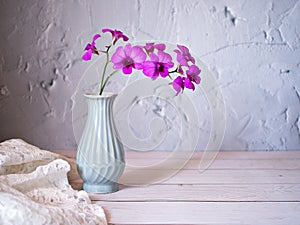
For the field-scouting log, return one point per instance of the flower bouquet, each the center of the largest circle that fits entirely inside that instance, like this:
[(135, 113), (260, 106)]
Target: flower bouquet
[(151, 60)]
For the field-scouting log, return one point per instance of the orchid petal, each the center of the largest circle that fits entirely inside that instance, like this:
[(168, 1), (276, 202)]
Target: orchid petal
[(154, 57), (188, 84), (88, 55), (127, 70), (164, 57), (160, 47), (149, 69), (164, 73), (107, 30), (125, 38), (128, 50), (96, 36), (118, 56), (88, 46), (138, 54), (138, 66)]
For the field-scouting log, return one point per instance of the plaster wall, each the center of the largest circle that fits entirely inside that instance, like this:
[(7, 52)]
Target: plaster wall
[(252, 48)]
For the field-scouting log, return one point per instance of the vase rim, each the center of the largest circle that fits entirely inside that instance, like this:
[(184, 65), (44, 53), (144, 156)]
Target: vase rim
[(104, 95)]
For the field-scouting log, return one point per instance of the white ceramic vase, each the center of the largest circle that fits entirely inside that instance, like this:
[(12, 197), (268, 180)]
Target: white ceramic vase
[(100, 154)]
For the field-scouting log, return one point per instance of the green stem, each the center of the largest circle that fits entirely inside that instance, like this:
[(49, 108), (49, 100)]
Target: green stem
[(104, 71), (107, 78)]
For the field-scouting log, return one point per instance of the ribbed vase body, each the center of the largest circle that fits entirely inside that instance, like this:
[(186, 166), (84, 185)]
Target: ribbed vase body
[(100, 154)]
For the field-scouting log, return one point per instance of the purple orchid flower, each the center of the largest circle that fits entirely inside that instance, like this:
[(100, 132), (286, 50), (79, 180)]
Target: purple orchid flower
[(91, 49), (150, 47), (193, 74), (128, 57), (182, 82), (158, 65), (116, 35), (178, 84), (184, 56)]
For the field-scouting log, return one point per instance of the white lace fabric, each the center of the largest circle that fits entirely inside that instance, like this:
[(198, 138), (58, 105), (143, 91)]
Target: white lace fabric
[(34, 189)]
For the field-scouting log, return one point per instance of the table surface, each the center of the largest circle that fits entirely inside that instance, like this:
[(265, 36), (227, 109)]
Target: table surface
[(237, 188)]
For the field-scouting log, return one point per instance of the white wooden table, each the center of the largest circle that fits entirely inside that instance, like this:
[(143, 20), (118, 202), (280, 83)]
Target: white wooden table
[(238, 188)]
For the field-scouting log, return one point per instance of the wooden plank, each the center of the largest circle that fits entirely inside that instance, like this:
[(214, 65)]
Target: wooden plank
[(204, 193), (202, 212), (221, 154), (140, 176), (253, 164), (258, 164), (212, 177), (198, 155)]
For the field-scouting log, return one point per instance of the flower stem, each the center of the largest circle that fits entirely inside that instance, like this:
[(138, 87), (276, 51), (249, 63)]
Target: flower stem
[(104, 71), (107, 78)]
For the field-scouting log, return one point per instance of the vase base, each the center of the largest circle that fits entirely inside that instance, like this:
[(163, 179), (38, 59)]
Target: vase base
[(101, 188)]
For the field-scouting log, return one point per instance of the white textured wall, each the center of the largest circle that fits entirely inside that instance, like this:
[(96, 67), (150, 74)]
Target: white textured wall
[(252, 47)]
